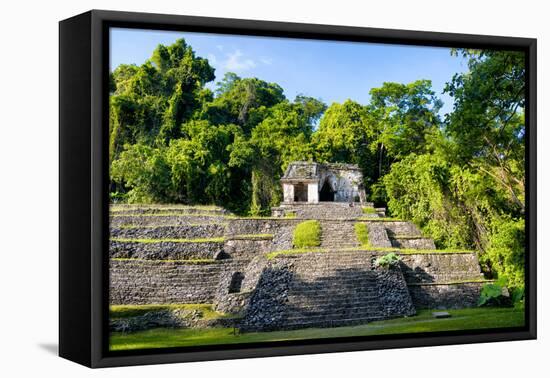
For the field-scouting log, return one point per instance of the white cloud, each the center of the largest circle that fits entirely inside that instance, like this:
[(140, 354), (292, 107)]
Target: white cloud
[(267, 61), (219, 47), (212, 59), (236, 62)]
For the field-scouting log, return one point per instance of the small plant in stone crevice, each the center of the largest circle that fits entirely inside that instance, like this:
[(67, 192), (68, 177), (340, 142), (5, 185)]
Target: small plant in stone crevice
[(368, 210), (307, 234), (290, 215), (387, 261), (362, 233)]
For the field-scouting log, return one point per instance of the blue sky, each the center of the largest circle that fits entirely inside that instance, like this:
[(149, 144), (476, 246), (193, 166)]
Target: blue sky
[(329, 70)]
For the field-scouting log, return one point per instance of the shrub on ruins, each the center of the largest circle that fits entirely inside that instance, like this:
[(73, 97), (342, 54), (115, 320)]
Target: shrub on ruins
[(307, 234), (494, 294), (388, 261)]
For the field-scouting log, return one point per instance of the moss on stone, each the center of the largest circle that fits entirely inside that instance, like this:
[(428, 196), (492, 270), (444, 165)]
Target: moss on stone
[(186, 261), (128, 311), (168, 214), (362, 233), (307, 234), (251, 237), (368, 210), (380, 219), (149, 241)]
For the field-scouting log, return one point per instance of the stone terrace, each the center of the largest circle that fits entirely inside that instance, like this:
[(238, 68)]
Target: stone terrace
[(179, 254)]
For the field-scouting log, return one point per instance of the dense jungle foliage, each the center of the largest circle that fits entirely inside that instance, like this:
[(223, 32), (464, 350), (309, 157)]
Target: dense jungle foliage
[(461, 178)]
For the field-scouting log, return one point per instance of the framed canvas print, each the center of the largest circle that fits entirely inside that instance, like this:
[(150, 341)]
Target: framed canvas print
[(234, 188)]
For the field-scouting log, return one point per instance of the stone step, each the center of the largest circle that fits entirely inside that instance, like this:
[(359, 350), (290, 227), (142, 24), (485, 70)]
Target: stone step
[(333, 278), (338, 235), (307, 323), (335, 271), (294, 318), (340, 308), (334, 294), (304, 303)]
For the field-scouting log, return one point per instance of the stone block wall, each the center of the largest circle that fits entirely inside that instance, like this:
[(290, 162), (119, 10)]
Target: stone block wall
[(395, 299), (165, 250), (413, 243), (445, 296), (401, 228), (247, 248), (443, 280), (161, 282), (183, 231), (378, 235), (167, 219), (236, 302), (281, 229), (440, 267)]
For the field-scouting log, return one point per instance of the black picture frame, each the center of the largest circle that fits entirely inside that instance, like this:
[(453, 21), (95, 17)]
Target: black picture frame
[(83, 179)]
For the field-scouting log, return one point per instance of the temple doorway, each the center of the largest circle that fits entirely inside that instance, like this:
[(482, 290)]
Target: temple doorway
[(327, 194), (300, 192)]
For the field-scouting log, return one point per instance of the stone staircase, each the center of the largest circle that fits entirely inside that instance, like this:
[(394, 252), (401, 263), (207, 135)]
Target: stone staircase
[(338, 235), (322, 210), (332, 289)]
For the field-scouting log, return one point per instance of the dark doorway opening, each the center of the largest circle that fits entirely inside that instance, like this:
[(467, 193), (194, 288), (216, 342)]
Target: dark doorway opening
[(236, 282), (327, 194), (300, 193)]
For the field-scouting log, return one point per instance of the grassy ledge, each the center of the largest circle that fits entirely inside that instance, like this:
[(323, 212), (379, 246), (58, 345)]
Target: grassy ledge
[(187, 261), (149, 241), (368, 210), (405, 251), (154, 226), (380, 219), (413, 251), (251, 237), (126, 207), (168, 214), (458, 282), (128, 311)]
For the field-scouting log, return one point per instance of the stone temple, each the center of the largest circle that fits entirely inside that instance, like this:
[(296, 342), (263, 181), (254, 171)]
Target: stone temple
[(315, 182), (249, 269)]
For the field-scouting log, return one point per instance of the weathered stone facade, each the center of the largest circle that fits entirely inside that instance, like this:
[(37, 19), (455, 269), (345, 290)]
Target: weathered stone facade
[(338, 285), (161, 282), (314, 182)]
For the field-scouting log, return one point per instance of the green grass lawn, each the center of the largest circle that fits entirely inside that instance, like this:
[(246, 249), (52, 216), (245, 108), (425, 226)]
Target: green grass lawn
[(465, 319)]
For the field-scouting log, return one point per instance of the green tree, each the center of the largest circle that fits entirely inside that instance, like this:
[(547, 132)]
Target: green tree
[(404, 114), (151, 101), (487, 122), (144, 171), (242, 101)]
